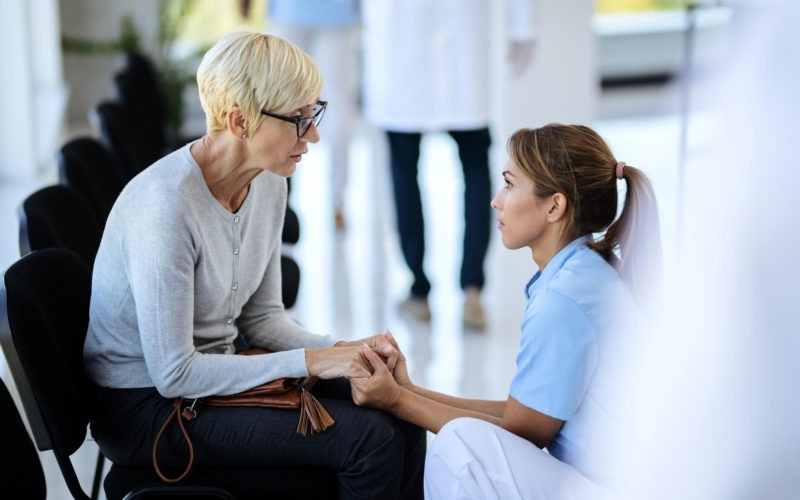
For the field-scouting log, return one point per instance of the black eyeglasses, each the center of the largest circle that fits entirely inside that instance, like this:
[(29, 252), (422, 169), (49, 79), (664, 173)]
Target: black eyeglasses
[(303, 123)]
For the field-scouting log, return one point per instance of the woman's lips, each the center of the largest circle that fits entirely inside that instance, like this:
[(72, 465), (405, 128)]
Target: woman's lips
[(298, 156)]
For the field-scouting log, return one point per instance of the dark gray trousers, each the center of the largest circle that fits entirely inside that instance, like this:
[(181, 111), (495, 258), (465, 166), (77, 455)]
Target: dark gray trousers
[(374, 454)]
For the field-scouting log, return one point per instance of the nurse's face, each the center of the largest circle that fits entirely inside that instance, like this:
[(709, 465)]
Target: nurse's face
[(521, 216)]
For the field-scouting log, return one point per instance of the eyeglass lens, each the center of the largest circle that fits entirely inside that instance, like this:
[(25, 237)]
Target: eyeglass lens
[(305, 123)]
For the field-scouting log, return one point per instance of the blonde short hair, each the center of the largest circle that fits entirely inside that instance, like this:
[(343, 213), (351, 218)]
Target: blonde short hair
[(255, 72)]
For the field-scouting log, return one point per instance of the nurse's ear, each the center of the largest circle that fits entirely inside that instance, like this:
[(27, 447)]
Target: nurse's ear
[(558, 207)]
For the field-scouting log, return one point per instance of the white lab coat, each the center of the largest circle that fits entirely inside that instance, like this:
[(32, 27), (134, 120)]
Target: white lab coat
[(426, 62)]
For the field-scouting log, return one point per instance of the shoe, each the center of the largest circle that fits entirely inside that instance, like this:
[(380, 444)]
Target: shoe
[(339, 221), (417, 308), (473, 316)]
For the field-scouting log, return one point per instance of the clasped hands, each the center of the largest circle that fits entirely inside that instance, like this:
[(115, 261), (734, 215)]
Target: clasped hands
[(375, 366), (382, 387), (345, 359)]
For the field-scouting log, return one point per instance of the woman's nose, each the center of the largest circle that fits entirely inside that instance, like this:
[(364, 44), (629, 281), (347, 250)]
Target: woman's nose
[(311, 135), (494, 203)]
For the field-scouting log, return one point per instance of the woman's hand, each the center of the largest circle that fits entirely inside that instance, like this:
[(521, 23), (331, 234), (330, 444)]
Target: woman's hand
[(400, 371), (337, 361), (379, 344), (379, 390)]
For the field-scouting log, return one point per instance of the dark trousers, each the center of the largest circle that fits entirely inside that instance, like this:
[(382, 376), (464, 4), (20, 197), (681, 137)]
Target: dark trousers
[(473, 151), (375, 454)]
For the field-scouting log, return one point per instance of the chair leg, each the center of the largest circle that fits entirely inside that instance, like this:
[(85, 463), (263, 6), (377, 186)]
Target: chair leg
[(68, 472), (98, 475)]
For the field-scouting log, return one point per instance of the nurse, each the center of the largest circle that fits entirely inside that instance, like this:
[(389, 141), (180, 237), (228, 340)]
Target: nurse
[(583, 310)]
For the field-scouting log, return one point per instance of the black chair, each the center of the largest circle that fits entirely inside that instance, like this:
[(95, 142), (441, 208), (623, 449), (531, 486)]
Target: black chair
[(291, 227), (44, 313), (141, 89), (125, 138), (290, 270), (130, 94), (87, 166), (58, 216), (290, 281), (44, 301), (22, 470)]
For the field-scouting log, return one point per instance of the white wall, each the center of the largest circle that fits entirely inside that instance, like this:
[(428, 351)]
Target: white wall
[(34, 89), (561, 84), (32, 94), (90, 76)]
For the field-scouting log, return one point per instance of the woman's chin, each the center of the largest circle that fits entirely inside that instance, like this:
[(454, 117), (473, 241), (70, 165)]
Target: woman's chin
[(284, 170)]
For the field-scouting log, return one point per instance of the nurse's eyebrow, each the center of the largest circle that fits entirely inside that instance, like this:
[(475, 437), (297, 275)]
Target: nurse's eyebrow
[(507, 173)]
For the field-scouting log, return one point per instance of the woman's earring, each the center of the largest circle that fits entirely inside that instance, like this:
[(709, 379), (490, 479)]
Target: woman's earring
[(244, 137)]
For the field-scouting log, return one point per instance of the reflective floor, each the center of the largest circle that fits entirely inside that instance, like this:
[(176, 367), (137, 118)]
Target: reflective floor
[(352, 280)]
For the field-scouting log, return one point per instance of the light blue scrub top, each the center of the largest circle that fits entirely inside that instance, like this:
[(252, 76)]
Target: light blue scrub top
[(575, 306), (315, 13)]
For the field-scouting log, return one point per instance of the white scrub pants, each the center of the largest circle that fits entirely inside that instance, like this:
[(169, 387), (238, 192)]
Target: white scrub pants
[(335, 50), (470, 458)]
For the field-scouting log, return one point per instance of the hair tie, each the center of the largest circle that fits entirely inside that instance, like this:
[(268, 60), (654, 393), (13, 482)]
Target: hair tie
[(620, 166)]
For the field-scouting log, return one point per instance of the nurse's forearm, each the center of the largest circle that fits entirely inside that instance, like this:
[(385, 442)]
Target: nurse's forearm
[(494, 408), (430, 414)]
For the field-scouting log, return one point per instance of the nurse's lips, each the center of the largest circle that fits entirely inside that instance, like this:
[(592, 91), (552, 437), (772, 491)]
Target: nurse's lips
[(500, 224)]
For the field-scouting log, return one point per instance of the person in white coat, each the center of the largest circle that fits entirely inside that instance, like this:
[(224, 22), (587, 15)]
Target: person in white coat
[(426, 69)]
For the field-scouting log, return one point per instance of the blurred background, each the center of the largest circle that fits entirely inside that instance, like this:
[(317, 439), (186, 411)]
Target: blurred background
[(641, 72)]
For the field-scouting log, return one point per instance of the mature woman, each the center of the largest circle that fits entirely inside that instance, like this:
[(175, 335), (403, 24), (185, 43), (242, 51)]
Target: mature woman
[(190, 260), (560, 189)]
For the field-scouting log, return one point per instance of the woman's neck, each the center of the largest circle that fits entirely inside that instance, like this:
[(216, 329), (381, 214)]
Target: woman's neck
[(547, 248), (223, 165)]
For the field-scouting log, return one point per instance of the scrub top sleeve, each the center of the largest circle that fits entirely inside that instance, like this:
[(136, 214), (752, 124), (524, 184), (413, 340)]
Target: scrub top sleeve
[(557, 358)]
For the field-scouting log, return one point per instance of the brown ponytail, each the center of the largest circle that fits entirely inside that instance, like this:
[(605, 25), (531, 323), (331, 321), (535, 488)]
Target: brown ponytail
[(636, 233), (576, 161)]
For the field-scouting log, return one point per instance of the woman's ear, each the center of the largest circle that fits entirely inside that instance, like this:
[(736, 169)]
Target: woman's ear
[(237, 124), (558, 207)]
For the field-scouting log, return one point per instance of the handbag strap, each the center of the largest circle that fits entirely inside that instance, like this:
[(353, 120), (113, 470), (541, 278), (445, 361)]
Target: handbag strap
[(313, 419), (188, 413)]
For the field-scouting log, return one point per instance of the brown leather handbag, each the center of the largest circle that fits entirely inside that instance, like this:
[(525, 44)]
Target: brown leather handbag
[(283, 393)]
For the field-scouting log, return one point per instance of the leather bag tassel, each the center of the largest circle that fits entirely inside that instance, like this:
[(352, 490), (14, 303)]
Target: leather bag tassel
[(313, 417)]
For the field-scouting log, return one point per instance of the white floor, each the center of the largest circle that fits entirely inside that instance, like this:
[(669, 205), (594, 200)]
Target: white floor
[(352, 280)]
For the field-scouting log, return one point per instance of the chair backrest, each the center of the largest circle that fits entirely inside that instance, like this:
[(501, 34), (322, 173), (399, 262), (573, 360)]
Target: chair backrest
[(121, 134), (149, 86), (44, 314), (290, 281), (86, 165), (291, 227), (132, 93), (22, 469), (58, 216)]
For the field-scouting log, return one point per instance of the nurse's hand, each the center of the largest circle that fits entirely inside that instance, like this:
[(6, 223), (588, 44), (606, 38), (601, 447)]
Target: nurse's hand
[(379, 390), (336, 362), (400, 371), (520, 54), (381, 345)]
